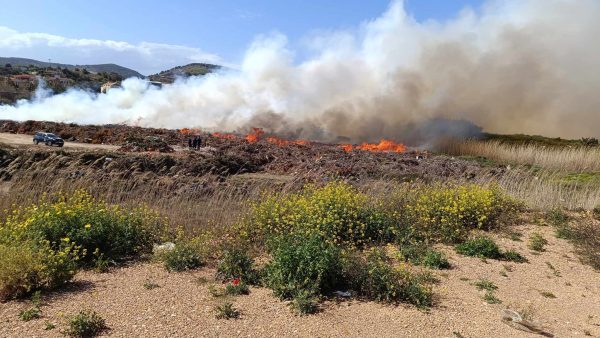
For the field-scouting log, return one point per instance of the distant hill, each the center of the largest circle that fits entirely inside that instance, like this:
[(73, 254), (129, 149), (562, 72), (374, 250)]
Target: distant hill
[(108, 68), (193, 69)]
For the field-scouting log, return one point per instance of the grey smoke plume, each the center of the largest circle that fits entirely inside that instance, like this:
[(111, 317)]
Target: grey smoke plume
[(519, 66)]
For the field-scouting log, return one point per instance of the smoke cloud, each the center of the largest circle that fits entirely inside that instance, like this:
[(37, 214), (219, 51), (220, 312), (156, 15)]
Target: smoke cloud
[(515, 67)]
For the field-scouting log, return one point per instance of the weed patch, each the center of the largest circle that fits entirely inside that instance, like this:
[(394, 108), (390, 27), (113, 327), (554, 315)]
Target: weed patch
[(485, 247), (373, 277), (309, 264), (85, 324), (485, 284), (183, 257), (304, 303), (30, 314), (236, 263), (482, 247), (226, 311), (537, 242)]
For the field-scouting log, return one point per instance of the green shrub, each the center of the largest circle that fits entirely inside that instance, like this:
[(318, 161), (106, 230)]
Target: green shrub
[(537, 242), (485, 284), (560, 221), (184, 256), (373, 277), (304, 303), (448, 213), (421, 254), (436, 260), (513, 256), (29, 266), (557, 217), (30, 314), (236, 263), (111, 232), (482, 247), (237, 287), (226, 311), (337, 212), (490, 298), (86, 324), (303, 263), (49, 326)]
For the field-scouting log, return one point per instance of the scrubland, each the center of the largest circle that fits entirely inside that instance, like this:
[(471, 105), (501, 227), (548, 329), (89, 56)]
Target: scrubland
[(389, 245)]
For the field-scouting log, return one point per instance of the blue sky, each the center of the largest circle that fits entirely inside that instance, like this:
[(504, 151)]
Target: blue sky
[(185, 30)]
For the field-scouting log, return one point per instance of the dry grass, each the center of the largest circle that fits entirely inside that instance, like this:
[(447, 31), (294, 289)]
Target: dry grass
[(191, 206), (545, 190), (543, 177), (571, 159)]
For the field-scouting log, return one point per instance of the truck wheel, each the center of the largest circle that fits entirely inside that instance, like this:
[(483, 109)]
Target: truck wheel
[(36, 142)]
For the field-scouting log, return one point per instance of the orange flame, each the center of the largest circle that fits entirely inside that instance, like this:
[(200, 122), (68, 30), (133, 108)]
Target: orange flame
[(255, 135), (302, 142), (224, 136), (346, 147), (188, 131), (384, 145)]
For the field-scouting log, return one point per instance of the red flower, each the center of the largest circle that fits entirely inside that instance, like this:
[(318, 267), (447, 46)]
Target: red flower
[(236, 282)]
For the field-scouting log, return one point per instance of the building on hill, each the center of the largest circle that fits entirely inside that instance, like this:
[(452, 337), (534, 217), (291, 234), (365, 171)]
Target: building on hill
[(60, 81), (24, 80), (108, 85)]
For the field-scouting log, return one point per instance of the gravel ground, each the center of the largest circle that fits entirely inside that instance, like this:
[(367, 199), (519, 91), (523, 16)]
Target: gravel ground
[(182, 305)]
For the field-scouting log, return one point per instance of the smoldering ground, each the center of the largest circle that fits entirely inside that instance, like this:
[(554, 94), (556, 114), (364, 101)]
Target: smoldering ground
[(512, 67)]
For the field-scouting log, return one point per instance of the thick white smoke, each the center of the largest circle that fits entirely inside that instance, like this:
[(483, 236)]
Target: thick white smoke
[(526, 66)]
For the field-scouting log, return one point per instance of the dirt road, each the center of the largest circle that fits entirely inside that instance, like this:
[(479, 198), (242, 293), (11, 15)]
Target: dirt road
[(22, 139)]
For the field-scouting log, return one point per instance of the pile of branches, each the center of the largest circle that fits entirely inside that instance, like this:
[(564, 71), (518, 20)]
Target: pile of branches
[(148, 143)]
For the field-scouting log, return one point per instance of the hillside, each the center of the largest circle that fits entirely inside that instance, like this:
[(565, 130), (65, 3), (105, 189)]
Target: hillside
[(192, 69), (108, 68), (20, 82)]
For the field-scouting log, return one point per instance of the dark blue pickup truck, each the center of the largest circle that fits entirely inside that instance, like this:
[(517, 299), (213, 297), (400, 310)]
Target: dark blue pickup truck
[(48, 139)]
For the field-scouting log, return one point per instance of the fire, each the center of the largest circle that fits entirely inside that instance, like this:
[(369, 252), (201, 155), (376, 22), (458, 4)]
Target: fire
[(302, 142), (224, 136), (347, 147), (255, 135), (189, 131), (384, 145)]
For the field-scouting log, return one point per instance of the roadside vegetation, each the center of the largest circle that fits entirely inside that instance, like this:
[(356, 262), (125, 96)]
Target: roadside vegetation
[(319, 240), (43, 245)]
